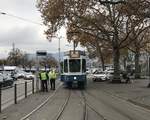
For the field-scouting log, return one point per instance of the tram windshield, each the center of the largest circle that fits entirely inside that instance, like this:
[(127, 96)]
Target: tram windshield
[(83, 65), (74, 65), (65, 66)]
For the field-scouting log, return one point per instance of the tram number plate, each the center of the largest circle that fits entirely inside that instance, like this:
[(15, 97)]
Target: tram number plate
[(75, 82)]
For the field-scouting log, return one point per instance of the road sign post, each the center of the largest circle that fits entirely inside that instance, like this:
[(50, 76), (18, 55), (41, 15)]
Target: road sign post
[(0, 97), (149, 71), (41, 53)]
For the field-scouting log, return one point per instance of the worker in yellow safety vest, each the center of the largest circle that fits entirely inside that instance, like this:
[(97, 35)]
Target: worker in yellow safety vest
[(52, 76), (44, 78)]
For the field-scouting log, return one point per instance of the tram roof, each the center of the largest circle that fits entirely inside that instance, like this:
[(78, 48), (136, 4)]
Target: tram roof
[(68, 53)]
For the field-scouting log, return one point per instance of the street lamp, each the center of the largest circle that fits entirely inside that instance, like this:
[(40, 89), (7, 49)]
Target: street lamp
[(59, 53)]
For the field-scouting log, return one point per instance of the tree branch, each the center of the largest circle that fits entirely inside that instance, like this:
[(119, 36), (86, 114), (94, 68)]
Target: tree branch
[(112, 2)]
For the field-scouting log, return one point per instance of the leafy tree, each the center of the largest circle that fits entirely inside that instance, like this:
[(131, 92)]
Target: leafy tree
[(108, 22), (3, 62), (140, 25), (48, 62), (137, 47)]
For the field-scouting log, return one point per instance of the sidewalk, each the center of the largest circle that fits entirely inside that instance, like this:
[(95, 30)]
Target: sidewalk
[(15, 112), (25, 106), (137, 92)]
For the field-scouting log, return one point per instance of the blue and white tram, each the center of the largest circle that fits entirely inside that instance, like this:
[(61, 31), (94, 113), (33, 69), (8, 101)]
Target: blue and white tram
[(74, 69)]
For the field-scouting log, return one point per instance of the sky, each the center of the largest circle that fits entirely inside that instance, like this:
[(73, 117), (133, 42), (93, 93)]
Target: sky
[(26, 36)]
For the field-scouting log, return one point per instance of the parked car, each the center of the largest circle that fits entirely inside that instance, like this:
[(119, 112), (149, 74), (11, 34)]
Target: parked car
[(109, 75), (19, 74), (99, 76), (6, 80), (29, 76), (109, 70)]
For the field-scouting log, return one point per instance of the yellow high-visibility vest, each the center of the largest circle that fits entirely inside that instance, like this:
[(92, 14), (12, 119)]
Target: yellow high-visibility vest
[(52, 75), (43, 76)]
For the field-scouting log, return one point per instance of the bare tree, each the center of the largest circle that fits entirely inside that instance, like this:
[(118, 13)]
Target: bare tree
[(15, 57)]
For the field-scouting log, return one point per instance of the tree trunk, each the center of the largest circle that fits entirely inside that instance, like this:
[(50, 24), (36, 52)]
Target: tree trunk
[(137, 66), (116, 58), (125, 63), (100, 55), (102, 60)]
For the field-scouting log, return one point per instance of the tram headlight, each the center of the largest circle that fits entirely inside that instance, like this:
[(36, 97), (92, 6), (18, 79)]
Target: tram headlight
[(75, 78)]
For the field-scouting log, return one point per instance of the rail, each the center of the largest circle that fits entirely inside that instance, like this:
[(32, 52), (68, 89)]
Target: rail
[(60, 112), (87, 105), (41, 105)]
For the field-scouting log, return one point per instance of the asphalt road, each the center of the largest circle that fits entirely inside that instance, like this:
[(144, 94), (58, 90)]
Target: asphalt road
[(90, 104), (106, 106)]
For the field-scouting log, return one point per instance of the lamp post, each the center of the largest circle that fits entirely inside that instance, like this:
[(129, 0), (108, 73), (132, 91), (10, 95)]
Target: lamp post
[(59, 68), (59, 53)]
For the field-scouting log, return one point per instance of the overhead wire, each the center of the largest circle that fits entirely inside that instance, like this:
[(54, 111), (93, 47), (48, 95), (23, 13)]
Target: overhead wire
[(21, 18)]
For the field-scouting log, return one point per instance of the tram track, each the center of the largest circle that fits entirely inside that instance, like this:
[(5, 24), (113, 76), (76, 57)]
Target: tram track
[(88, 105), (48, 99), (83, 97), (60, 112), (85, 111), (111, 106)]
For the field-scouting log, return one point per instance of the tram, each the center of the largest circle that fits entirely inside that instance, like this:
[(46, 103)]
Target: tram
[(74, 69)]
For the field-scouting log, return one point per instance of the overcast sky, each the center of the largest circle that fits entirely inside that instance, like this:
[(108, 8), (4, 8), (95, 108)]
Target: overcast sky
[(26, 36)]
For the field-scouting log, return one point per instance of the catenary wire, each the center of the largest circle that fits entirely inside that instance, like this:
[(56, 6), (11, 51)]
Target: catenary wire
[(20, 18)]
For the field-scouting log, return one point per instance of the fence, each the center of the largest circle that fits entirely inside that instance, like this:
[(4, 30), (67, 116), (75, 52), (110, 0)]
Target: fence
[(15, 93)]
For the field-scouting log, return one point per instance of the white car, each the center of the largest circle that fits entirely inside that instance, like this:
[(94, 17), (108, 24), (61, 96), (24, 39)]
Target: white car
[(29, 76), (19, 74), (99, 76), (109, 75)]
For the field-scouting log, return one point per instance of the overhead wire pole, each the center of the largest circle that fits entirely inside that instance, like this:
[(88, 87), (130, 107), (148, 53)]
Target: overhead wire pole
[(59, 54)]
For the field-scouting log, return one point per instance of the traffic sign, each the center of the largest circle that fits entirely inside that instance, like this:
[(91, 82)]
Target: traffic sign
[(41, 53)]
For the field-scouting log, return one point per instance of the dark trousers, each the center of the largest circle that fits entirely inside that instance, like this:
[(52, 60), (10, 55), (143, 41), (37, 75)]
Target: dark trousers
[(52, 81), (44, 85)]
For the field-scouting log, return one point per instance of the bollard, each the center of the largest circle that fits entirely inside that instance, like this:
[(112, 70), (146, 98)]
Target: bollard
[(25, 89), (32, 86), (15, 94), (0, 97)]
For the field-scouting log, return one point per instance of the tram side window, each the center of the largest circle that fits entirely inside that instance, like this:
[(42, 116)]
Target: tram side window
[(65, 66), (83, 65), (74, 65)]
